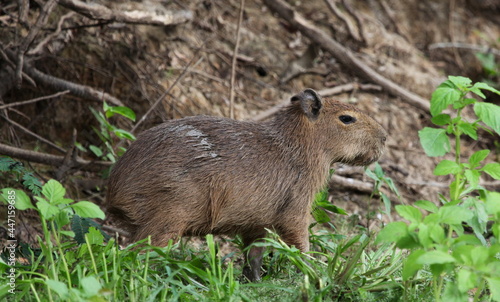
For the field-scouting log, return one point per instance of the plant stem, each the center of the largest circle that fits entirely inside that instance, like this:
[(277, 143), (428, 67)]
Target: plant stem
[(61, 254), (49, 255)]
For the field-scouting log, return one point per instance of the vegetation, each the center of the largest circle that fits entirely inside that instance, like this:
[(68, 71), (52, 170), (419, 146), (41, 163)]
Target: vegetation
[(450, 253)]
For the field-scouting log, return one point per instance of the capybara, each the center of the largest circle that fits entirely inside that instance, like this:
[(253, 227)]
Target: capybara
[(210, 175)]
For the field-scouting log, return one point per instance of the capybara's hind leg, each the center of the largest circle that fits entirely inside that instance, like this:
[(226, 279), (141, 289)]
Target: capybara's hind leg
[(253, 257)]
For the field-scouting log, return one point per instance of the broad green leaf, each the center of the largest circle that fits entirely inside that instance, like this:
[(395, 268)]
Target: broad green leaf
[(411, 266), (446, 167), (17, 198), (94, 236), (90, 286), (423, 236), (493, 203), (46, 209), (53, 191), (494, 285), (493, 169), (409, 213), (478, 157), (88, 209), (59, 287), (434, 141), (472, 177), (392, 232), (452, 293), (426, 205), (460, 82), (446, 94), (435, 257), (454, 214), (485, 86), (489, 114), (468, 129), (96, 150), (436, 232), (441, 119), (124, 134)]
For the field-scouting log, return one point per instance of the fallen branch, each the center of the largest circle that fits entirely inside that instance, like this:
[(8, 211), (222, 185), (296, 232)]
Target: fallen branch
[(96, 11), (76, 89), (50, 159), (480, 48), (325, 92), (344, 55)]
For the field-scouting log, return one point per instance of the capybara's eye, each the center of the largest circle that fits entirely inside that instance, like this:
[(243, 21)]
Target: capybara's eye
[(347, 119)]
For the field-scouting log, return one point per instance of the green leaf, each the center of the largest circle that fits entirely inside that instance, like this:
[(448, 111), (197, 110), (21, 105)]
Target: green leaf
[(96, 150), (468, 129), (493, 169), (434, 141), (454, 214), (19, 198), (452, 293), (436, 233), (392, 232), (90, 286), (446, 94), (473, 177), (446, 167), (59, 287), (435, 257), (426, 205), (493, 203), (320, 216), (489, 114), (441, 119), (88, 209), (124, 111), (485, 86), (411, 266), (94, 236), (494, 285), (81, 227), (53, 191), (478, 157), (461, 82), (124, 134), (409, 213), (46, 209)]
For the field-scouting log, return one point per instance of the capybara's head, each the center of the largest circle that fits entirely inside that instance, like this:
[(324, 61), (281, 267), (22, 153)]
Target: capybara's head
[(345, 134)]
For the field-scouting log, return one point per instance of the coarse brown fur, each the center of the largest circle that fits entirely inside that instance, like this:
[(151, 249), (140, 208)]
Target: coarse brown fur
[(202, 174)]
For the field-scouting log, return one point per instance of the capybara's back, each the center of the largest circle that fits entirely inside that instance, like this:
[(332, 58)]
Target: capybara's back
[(201, 175)]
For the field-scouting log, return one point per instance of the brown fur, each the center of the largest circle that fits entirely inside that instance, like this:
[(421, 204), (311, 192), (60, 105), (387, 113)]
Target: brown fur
[(200, 175)]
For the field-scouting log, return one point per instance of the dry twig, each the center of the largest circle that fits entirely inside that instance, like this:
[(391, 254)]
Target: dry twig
[(233, 64)]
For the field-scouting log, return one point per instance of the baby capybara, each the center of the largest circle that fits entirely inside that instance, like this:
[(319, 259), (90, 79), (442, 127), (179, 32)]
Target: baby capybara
[(210, 175)]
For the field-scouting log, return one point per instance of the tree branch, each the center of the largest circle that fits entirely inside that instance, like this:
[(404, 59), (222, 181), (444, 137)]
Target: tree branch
[(49, 159), (344, 55), (96, 11)]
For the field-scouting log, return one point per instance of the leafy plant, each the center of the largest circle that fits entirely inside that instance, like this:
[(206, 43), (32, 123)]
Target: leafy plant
[(107, 132), (459, 262), (8, 165)]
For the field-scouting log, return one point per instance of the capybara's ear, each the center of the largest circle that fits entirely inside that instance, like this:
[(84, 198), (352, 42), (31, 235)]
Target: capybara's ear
[(310, 103)]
